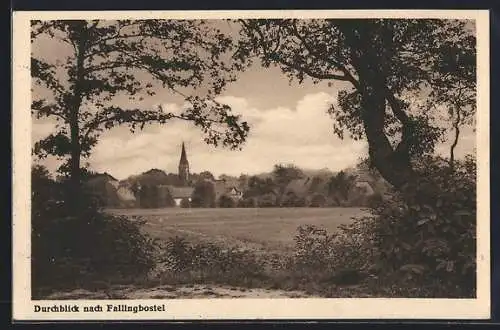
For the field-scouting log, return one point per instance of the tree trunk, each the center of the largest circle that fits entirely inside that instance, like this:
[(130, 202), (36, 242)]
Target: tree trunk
[(75, 172), (456, 126), (393, 163), (75, 168)]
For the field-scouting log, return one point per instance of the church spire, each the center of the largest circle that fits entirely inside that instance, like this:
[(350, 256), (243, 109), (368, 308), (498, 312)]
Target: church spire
[(183, 167), (183, 155)]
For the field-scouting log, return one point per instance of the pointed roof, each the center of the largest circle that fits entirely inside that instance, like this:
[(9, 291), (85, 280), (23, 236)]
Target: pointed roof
[(183, 155), (178, 192)]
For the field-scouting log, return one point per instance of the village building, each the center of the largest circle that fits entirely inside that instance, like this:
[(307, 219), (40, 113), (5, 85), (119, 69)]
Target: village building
[(225, 188), (183, 168), (234, 193), (109, 191), (183, 191), (177, 194)]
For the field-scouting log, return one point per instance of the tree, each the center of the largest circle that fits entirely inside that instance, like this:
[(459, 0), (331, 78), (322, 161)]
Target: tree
[(291, 199), (284, 174), (173, 179), (259, 186), (454, 88), (387, 65), (207, 175), (165, 199), (135, 59), (340, 185), (43, 189), (243, 182), (203, 194), (227, 178), (145, 196)]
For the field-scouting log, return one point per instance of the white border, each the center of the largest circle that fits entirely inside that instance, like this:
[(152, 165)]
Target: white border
[(196, 309)]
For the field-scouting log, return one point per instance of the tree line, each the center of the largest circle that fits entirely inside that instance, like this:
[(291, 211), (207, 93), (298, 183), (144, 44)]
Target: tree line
[(284, 186)]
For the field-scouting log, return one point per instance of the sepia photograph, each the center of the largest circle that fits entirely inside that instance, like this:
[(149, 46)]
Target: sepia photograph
[(237, 157)]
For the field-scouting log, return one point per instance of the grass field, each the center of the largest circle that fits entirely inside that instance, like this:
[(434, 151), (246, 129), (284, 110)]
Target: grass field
[(270, 229)]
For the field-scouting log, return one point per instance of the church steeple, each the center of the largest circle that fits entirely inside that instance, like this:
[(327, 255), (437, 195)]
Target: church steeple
[(183, 167)]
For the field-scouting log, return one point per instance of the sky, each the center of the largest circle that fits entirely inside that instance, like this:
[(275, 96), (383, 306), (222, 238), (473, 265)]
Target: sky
[(288, 124)]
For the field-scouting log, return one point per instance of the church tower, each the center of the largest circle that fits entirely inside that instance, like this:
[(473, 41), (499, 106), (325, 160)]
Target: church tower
[(183, 167)]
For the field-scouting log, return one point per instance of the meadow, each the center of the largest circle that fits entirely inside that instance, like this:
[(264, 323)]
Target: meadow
[(269, 229)]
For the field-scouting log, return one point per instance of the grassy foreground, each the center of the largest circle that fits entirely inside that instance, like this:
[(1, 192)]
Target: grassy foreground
[(268, 229), (259, 253), (229, 253)]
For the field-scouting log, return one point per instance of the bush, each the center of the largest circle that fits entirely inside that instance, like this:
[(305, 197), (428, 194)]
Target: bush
[(405, 248), (375, 200), (313, 247), (292, 200), (247, 202), (341, 257), (76, 248), (267, 200), (185, 203), (432, 243), (226, 201), (187, 262)]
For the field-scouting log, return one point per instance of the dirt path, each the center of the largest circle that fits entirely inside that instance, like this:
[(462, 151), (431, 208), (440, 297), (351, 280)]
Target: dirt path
[(176, 292)]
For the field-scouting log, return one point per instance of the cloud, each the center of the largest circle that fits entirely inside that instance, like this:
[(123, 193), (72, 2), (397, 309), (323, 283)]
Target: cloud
[(302, 135)]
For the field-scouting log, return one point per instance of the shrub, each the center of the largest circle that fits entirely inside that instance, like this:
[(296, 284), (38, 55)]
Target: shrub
[(292, 200), (247, 202), (267, 200), (185, 203), (313, 247), (375, 200), (207, 262), (226, 201), (75, 248), (432, 243), (407, 248), (341, 257)]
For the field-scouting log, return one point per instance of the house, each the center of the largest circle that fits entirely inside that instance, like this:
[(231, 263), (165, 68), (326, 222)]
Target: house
[(110, 191), (176, 193), (226, 188), (234, 193)]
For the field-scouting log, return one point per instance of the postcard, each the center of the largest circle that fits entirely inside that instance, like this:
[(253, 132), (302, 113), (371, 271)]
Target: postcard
[(230, 165)]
